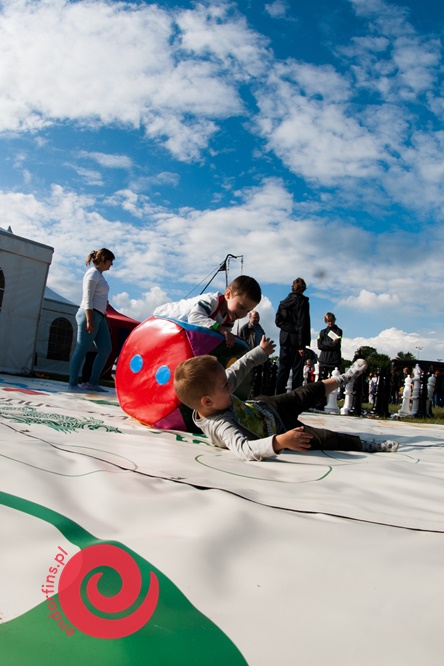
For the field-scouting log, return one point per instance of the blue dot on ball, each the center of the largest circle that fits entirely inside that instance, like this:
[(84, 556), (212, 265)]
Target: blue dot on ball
[(163, 374), (136, 363)]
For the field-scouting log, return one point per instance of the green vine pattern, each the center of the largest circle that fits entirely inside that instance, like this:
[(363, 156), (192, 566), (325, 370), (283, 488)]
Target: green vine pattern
[(60, 422)]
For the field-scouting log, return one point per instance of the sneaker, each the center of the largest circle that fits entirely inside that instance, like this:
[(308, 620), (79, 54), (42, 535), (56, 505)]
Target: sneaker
[(356, 369), (373, 446), (75, 388), (94, 388)]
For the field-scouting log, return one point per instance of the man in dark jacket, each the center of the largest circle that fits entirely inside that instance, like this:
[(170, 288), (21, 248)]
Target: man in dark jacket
[(293, 318), (264, 379), (252, 332), (329, 344)]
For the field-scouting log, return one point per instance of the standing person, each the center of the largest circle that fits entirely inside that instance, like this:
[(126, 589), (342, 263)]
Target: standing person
[(293, 318), (92, 325), (438, 393), (308, 372), (329, 344), (252, 332), (395, 385), (372, 384)]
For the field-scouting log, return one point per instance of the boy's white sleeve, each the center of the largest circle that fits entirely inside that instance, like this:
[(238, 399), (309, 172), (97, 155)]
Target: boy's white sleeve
[(198, 310), (224, 430), (227, 433), (175, 310), (200, 313), (241, 368)]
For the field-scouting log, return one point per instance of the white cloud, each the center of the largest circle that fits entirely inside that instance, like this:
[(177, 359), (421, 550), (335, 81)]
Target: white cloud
[(211, 30), (108, 161), (315, 137), (138, 205), (91, 176), (370, 146), (369, 300), (140, 308), (277, 9), (412, 62), (19, 160), (184, 141), (418, 180), (154, 245), (391, 341), (99, 63)]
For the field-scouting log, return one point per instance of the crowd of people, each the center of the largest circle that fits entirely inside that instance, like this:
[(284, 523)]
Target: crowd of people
[(397, 383)]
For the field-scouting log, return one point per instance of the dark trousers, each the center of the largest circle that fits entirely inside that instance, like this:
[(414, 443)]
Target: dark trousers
[(289, 359), (290, 405)]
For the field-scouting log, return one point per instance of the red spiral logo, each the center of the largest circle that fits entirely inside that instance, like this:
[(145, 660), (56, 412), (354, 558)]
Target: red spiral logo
[(72, 576)]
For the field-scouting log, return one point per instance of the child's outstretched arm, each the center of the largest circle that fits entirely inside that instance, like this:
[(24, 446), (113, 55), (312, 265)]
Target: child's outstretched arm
[(295, 440), (267, 345)]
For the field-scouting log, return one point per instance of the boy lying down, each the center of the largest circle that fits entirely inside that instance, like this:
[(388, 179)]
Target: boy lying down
[(261, 428)]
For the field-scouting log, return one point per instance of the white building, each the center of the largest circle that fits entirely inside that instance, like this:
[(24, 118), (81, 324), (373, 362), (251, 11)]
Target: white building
[(24, 266), (56, 334)]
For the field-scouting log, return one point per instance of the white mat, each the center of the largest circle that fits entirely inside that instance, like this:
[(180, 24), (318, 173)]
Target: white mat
[(252, 582)]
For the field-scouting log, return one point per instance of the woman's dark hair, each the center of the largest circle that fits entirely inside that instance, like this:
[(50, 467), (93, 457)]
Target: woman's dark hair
[(97, 256)]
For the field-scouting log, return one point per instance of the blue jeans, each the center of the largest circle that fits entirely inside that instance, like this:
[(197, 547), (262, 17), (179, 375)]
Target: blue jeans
[(102, 340)]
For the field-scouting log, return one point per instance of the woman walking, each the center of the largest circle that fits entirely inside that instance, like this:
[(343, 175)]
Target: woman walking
[(92, 325)]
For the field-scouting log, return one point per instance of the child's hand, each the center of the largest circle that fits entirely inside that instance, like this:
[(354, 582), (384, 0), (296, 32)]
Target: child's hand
[(295, 440), (267, 345), (230, 339)]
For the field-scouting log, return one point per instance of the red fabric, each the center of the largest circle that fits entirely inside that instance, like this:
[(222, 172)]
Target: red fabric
[(112, 314)]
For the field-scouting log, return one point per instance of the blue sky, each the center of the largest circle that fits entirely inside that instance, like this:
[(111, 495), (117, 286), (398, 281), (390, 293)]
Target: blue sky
[(305, 137)]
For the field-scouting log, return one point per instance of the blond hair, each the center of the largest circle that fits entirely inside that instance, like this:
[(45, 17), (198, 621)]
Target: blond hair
[(195, 378)]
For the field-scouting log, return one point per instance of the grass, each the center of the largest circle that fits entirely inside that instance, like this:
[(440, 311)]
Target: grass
[(437, 418)]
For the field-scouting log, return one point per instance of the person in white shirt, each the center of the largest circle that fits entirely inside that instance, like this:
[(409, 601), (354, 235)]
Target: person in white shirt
[(92, 325), (216, 311)]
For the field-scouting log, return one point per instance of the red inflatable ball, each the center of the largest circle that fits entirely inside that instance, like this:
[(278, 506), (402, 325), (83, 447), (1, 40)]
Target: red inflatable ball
[(146, 365)]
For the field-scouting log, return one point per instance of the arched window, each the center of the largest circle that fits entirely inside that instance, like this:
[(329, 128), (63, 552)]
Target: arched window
[(2, 287), (60, 339)]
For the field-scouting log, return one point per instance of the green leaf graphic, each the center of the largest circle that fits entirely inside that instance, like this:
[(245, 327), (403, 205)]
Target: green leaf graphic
[(176, 634)]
